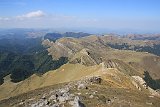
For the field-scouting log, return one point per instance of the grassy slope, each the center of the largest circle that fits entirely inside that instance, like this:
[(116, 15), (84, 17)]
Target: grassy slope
[(66, 73), (71, 72), (142, 61), (115, 85)]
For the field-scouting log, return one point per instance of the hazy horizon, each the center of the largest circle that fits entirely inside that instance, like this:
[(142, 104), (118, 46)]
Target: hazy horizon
[(138, 16)]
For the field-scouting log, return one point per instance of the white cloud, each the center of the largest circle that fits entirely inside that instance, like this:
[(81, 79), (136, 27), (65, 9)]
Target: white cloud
[(34, 14), (4, 18), (38, 19)]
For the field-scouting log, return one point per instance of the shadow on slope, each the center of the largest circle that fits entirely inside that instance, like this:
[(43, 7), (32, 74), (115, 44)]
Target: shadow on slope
[(27, 67), (22, 64), (154, 84)]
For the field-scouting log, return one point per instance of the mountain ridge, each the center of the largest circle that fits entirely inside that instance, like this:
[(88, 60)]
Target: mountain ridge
[(90, 58)]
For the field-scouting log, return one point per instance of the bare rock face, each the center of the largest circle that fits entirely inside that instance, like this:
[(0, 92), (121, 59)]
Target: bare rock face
[(110, 64), (95, 80), (86, 57), (91, 96), (40, 103), (144, 84), (76, 102), (81, 86), (64, 97)]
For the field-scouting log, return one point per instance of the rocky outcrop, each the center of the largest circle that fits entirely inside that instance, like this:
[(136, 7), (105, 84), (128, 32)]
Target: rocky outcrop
[(63, 96), (76, 102), (86, 57), (142, 82), (111, 64)]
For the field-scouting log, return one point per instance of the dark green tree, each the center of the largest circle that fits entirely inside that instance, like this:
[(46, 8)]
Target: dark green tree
[(155, 84)]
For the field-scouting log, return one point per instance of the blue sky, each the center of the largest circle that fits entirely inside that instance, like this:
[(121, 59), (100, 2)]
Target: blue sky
[(120, 15)]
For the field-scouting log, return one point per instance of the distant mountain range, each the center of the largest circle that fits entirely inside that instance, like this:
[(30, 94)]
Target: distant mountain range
[(54, 36)]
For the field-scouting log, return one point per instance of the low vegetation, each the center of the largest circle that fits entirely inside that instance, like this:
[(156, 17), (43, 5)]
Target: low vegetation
[(154, 84), (25, 59), (155, 49)]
